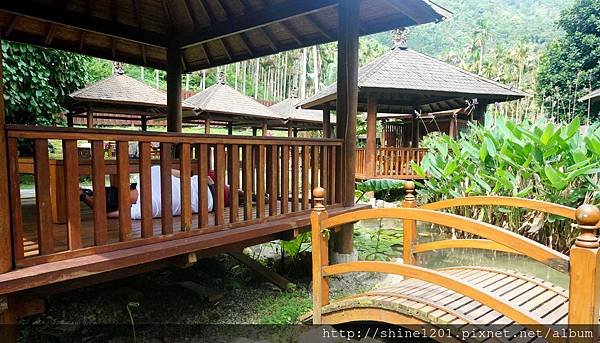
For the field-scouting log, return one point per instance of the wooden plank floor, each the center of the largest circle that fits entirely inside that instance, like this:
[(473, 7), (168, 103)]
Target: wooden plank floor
[(87, 227), (437, 305)]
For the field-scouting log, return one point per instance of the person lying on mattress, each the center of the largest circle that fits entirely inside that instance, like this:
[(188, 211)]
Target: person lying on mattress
[(112, 195)]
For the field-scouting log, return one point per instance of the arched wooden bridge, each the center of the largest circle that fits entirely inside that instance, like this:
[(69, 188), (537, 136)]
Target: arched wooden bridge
[(467, 298)]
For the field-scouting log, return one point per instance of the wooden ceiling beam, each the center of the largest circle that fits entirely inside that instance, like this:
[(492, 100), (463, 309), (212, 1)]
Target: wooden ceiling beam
[(56, 15), (11, 26), (50, 34), (320, 28), (256, 19), (246, 44), (268, 38), (292, 32)]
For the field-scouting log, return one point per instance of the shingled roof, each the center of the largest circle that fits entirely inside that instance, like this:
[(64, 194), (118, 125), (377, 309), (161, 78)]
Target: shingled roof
[(403, 78), (299, 117), (120, 93), (593, 96), (220, 102)]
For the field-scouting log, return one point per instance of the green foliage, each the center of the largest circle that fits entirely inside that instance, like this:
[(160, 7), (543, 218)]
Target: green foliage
[(508, 22), (284, 308), (382, 186), (383, 244), (37, 82), (539, 160), (571, 65)]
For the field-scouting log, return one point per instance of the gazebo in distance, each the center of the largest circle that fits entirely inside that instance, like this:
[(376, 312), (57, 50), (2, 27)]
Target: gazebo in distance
[(120, 97), (593, 96), (297, 118), (222, 105), (418, 94)]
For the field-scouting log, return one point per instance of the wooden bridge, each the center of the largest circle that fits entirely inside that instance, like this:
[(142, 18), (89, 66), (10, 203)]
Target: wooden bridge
[(466, 298)]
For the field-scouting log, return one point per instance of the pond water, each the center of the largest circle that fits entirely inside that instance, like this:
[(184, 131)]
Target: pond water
[(455, 257)]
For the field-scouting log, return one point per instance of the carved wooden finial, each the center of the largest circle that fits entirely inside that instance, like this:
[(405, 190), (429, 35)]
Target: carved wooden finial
[(409, 188), (319, 196), (587, 217)]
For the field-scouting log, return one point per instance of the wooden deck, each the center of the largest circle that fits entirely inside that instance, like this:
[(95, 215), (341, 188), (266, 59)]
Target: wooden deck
[(60, 232), (207, 242)]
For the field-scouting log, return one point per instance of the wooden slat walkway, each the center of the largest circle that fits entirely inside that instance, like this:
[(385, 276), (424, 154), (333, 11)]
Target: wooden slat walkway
[(437, 305)]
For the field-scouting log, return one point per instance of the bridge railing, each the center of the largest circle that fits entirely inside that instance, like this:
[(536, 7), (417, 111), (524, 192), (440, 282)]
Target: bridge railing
[(582, 266)]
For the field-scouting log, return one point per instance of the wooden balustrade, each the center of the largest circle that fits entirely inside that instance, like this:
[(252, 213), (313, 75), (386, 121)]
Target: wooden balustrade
[(395, 163), (268, 178), (579, 305)]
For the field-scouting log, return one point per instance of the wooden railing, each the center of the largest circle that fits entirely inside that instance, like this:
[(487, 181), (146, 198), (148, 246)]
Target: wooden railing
[(390, 163), (584, 289), (285, 169)]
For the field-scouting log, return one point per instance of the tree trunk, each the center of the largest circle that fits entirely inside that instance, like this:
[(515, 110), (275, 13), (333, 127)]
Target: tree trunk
[(244, 64), (142, 73), (315, 69), (303, 74), (157, 78), (256, 76), (187, 82), (237, 72)]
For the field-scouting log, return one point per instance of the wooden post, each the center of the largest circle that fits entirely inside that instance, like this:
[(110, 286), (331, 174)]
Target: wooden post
[(326, 121), (144, 121), (70, 119), (320, 255), (452, 129), (295, 132), (290, 132), (371, 148), (264, 129), (6, 260), (207, 126), (90, 118), (254, 131), (479, 114), (415, 128), (584, 273), (174, 72), (230, 129), (347, 104), (410, 226)]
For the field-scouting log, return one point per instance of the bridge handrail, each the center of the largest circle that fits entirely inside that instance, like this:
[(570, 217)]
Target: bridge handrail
[(582, 265), (434, 277), (531, 204), (514, 241)]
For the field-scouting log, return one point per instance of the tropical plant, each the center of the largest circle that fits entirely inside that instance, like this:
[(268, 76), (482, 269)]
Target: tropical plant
[(38, 81), (381, 186), (559, 163)]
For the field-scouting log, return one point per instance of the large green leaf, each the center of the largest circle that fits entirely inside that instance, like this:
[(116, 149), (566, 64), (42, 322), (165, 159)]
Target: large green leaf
[(556, 178), (375, 185)]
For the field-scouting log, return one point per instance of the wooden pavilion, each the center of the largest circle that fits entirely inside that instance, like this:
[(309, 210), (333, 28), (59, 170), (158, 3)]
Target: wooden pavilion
[(120, 97), (296, 118), (411, 87), (39, 256), (220, 104)]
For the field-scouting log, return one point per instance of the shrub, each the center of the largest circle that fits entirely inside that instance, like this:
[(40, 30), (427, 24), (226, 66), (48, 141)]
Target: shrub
[(539, 160)]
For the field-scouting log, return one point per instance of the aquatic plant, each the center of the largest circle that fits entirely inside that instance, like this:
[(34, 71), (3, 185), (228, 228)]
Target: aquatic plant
[(559, 163)]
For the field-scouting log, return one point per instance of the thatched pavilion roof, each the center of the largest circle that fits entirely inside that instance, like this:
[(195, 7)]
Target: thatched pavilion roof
[(222, 103), (593, 96), (297, 117), (208, 33), (122, 94), (403, 78)]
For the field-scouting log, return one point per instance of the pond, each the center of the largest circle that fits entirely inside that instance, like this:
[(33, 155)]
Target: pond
[(390, 247)]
